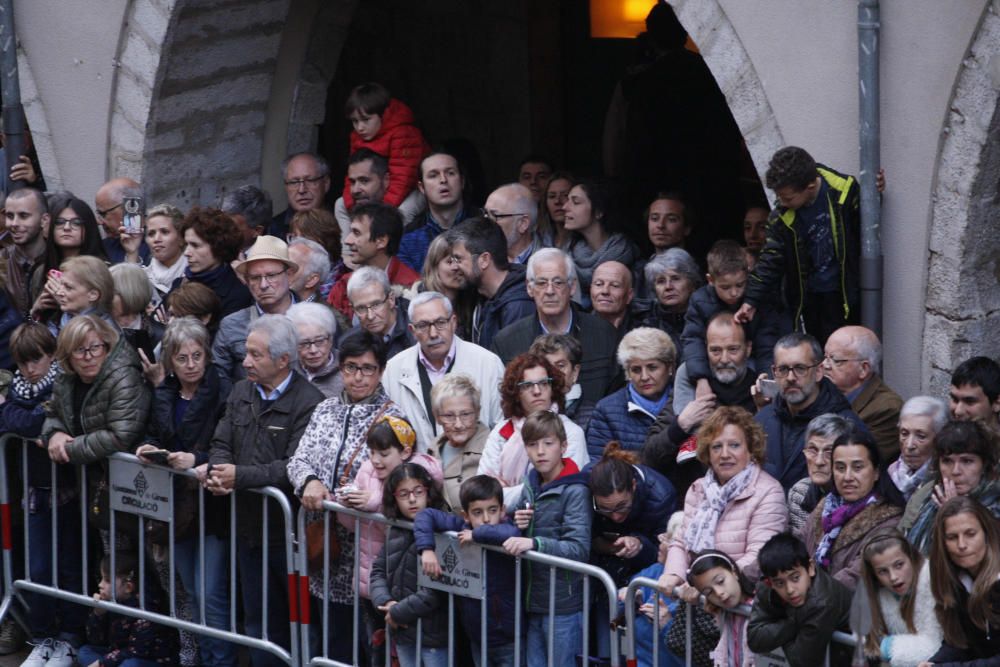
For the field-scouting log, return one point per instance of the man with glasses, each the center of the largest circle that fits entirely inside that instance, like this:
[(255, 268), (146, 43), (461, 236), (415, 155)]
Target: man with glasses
[(26, 215), (378, 310), (853, 357), (267, 271), (512, 207), (373, 240), (441, 181), (803, 393), (410, 375), (109, 205), (307, 180), (479, 249), (551, 278)]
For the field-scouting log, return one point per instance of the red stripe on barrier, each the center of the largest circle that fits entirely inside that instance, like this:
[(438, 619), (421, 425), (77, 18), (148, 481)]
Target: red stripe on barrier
[(8, 543), (631, 663), (293, 603), (304, 599)]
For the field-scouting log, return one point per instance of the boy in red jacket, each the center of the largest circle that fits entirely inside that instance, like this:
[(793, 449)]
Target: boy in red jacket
[(387, 126)]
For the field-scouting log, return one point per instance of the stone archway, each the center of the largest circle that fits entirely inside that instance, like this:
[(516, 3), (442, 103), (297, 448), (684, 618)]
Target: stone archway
[(962, 311)]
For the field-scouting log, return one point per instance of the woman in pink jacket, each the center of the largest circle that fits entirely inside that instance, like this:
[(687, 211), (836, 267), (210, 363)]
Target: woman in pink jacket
[(735, 508)]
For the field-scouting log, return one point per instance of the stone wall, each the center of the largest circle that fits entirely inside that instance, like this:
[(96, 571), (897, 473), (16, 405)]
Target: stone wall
[(963, 302)]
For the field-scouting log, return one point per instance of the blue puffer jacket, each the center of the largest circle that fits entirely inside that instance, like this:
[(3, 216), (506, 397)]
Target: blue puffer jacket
[(653, 501), (617, 418), (500, 576)]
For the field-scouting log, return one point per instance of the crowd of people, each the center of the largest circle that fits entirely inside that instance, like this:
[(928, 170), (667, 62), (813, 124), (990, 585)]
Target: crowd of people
[(529, 374)]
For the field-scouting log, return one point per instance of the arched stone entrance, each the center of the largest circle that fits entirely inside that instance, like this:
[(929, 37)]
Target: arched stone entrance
[(962, 312)]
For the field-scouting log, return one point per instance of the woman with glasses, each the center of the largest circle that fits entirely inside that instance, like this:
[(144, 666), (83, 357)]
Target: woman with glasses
[(187, 407), (672, 277), (326, 463), (317, 329), (735, 508), (73, 232), (212, 242), (805, 494), (530, 383), (587, 216), (455, 401)]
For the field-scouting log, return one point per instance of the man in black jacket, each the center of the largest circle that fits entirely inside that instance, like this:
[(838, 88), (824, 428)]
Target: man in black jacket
[(479, 248), (551, 281), (803, 393), (266, 415)]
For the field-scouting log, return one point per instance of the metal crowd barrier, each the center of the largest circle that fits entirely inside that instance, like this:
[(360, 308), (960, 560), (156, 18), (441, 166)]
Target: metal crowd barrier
[(147, 493), (630, 613), (588, 571)]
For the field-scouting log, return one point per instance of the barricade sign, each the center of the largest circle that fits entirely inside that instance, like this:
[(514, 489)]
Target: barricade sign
[(461, 568), (137, 488)]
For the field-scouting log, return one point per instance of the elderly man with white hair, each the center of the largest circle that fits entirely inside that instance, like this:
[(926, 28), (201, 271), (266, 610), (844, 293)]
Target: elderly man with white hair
[(513, 208), (317, 329), (551, 278), (852, 361), (309, 280), (411, 374), (378, 310)]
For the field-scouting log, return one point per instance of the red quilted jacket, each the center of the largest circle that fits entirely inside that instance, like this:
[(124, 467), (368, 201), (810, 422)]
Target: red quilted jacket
[(403, 144)]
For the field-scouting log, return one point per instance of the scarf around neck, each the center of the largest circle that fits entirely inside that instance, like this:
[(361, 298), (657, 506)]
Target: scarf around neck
[(905, 481), (654, 408), (836, 514), (616, 248), (163, 276), (700, 533), (27, 390)]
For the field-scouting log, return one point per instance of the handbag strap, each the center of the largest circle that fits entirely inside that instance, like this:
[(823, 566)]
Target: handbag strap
[(347, 468)]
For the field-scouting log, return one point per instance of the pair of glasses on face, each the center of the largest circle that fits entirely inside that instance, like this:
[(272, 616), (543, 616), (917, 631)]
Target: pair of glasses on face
[(457, 417), (531, 385), (439, 325), (103, 213), (622, 508), (269, 278), (799, 370), (371, 308), (416, 492), (299, 182), (313, 342), (558, 284), (95, 350), (495, 215), (71, 223), (366, 370)]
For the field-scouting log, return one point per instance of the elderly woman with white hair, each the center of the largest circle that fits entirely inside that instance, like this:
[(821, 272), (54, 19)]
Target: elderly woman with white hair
[(648, 356), (920, 420), (317, 329), (455, 402), (673, 276)]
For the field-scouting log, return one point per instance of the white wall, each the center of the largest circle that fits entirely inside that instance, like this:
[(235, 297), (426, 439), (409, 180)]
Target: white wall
[(805, 53), (71, 48)]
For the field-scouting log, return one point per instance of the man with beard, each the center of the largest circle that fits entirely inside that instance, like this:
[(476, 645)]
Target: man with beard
[(441, 181), (730, 378), (803, 393), (479, 249), (26, 215)]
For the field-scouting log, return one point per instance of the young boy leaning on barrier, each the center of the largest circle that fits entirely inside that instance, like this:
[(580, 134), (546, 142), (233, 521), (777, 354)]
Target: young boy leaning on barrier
[(483, 520), (798, 606), (554, 516)]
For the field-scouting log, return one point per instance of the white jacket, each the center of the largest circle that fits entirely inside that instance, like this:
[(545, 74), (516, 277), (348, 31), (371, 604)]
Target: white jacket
[(908, 649), (402, 382)]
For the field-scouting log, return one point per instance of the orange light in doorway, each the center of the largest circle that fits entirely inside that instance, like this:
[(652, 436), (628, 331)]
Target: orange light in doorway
[(622, 19)]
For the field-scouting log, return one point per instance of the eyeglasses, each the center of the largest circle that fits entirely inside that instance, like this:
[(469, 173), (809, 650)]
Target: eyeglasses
[(299, 182), (439, 325), (95, 350), (495, 216), (352, 369), (558, 284), (73, 223), (371, 308), (799, 370), (415, 492), (531, 385), (838, 362), (623, 508), (813, 453), (456, 418), (314, 342), (182, 359), (104, 213), (269, 278)]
